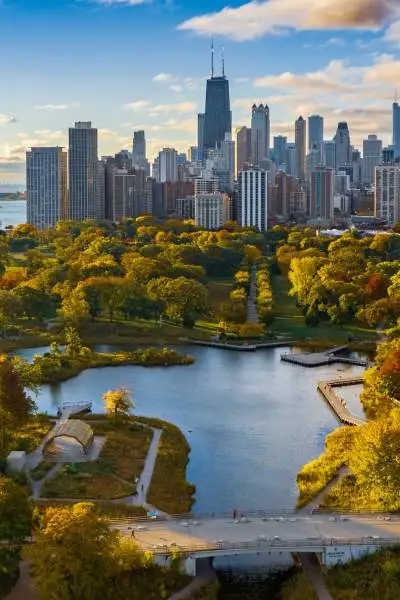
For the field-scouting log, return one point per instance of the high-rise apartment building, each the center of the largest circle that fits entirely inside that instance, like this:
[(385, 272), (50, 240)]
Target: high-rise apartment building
[(46, 186), (243, 148), (322, 192), (82, 169), (167, 165), (291, 160), (372, 157), (396, 129), (218, 116), (387, 193), (280, 148), (211, 210), (315, 132), (253, 199), (343, 146), (301, 144), (122, 198), (260, 134)]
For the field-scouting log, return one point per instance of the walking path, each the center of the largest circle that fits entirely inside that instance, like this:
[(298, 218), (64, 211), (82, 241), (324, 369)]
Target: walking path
[(317, 500), (252, 314), (312, 569), (24, 589), (204, 574)]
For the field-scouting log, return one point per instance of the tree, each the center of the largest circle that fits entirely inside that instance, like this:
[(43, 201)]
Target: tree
[(111, 292), (118, 403), (375, 460), (13, 398), (185, 299), (15, 527), (35, 303), (74, 307), (73, 342), (74, 554)]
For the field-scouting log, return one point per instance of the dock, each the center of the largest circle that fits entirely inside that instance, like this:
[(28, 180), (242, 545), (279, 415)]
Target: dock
[(67, 409), (338, 404), (320, 359)]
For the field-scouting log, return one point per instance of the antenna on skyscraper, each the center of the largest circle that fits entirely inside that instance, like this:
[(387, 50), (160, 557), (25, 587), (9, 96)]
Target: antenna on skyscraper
[(223, 62), (212, 58)]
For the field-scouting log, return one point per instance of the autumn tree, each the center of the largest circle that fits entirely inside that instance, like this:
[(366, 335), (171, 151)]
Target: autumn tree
[(74, 553), (185, 299), (15, 404), (118, 403), (74, 307)]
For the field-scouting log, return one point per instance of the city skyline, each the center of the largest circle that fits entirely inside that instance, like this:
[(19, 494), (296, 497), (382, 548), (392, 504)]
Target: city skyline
[(351, 78)]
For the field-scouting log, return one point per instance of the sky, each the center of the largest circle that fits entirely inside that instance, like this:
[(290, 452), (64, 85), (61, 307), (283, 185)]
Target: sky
[(143, 64)]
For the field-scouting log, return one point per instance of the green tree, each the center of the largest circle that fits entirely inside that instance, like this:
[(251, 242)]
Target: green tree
[(185, 299), (73, 342), (74, 554), (118, 403)]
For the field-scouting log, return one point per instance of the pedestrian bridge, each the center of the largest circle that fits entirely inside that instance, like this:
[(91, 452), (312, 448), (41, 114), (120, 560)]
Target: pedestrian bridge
[(334, 537)]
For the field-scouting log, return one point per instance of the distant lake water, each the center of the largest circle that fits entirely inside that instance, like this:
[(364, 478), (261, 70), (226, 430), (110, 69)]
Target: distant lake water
[(12, 212)]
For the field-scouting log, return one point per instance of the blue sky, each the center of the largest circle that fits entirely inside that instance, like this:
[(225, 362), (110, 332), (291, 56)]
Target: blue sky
[(125, 64)]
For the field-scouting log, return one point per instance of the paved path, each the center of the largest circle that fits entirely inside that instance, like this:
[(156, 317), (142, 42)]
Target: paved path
[(252, 314), (318, 499), (204, 574), (24, 587), (143, 484), (313, 570)]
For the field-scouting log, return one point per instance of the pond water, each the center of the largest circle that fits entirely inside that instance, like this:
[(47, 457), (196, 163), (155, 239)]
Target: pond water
[(252, 420)]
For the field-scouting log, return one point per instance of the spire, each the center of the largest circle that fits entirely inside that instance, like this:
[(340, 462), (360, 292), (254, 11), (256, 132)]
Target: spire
[(212, 58), (223, 62)]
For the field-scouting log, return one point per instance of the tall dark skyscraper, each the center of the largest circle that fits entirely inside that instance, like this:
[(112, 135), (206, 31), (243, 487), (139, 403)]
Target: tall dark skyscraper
[(218, 116)]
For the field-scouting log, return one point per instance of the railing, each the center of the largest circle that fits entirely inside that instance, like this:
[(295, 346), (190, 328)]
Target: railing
[(253, 514), (81, 405), (260, 545)]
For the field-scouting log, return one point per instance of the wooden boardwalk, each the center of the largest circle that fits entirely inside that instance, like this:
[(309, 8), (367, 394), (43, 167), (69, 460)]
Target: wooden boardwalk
[(338, 404)]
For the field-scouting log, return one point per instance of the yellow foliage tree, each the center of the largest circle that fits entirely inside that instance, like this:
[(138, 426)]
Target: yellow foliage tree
[(118, 403)]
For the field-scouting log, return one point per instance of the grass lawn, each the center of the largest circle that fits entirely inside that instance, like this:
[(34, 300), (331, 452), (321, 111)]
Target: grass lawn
[(219, 291), (29, 436), (112, 475), (289, 320), (169, 490)]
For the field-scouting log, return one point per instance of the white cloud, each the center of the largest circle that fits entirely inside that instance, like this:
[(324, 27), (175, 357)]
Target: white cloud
[(155, 109), (63, 106), (120, 2), (255, 19), (163, 77), (137, 105), (7, 119), (176, 88), (393, 33)]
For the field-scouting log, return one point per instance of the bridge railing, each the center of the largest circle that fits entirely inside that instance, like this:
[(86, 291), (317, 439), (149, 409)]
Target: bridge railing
[(253, 514), (265, 545)]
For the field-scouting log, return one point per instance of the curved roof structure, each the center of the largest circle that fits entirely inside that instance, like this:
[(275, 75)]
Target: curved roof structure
[(73, 428)]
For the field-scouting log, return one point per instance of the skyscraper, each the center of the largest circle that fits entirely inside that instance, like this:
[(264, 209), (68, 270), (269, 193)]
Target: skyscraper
[(260, 133), (342, 142), (396, 129), (372, 157), (82, 168), (315, 132), (46, 186), (167, 165), (253, 199), (201, 117), (139, 149), (322, 194), (301, 141), (243, 147), (218, 116), (387, 193), (329, 154), (280, 148)]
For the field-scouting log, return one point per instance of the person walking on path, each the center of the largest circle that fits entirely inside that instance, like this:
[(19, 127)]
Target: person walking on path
[(234, 514), (133, 533)]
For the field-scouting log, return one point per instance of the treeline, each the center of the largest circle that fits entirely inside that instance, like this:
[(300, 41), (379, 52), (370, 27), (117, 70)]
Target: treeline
[(136, 269), (351, 277), (371, 451)]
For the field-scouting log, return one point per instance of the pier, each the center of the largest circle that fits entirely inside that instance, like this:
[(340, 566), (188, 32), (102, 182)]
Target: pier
[(338, 404), (320, 359)]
